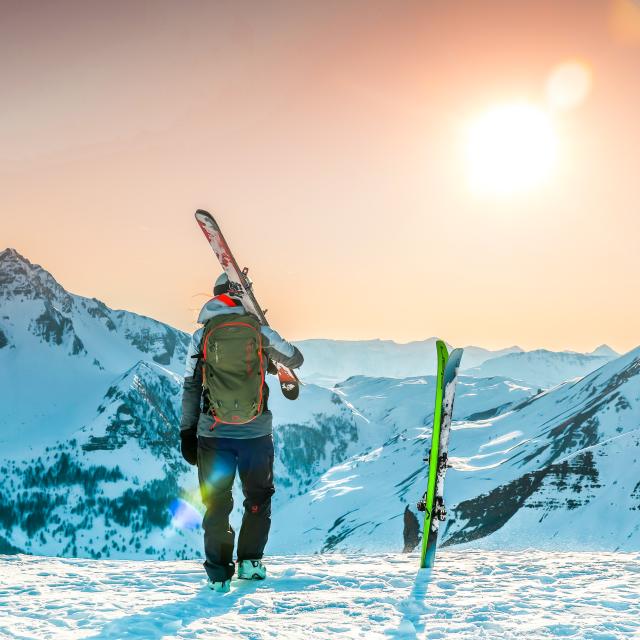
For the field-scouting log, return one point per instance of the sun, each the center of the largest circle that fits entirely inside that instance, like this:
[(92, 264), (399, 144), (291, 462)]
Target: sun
[(510, 149)]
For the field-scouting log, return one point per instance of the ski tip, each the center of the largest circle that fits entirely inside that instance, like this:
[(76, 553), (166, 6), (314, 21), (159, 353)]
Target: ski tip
[(204, 217)]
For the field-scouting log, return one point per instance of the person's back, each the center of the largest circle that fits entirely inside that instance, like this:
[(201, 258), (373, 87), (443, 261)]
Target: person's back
[(227, 426)]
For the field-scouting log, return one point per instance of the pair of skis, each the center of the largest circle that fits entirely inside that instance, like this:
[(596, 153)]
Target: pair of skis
[(432, 502), (242, 287)]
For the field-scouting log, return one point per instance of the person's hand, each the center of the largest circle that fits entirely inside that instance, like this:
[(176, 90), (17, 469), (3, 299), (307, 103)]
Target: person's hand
[(189, 445)]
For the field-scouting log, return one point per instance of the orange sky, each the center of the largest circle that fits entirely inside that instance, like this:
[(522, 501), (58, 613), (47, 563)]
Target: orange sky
[(326, 138)]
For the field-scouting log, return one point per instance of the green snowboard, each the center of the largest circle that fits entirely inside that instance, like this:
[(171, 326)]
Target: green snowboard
[(433, 501), (427, 502)]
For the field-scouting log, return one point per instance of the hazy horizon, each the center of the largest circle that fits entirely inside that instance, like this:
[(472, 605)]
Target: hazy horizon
[(347, 151)]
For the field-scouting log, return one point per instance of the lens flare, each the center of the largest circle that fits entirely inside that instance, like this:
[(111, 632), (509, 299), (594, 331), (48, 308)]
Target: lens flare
[(184, 515), (624, 21), (568, 85)]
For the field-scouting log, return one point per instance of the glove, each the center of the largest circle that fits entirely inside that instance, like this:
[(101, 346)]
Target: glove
[(189, 445)]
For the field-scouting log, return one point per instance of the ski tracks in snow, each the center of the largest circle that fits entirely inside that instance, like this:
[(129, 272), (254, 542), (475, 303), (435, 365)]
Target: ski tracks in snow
[(469, 594)]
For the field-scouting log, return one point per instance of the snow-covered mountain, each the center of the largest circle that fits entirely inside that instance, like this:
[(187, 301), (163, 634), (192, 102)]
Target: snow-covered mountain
[(90, 463), (330, 361), (104, 487), (38, 313), (543, 368), (532, 476), (604, 350), (90, 458), (574, 451), (59, 351)]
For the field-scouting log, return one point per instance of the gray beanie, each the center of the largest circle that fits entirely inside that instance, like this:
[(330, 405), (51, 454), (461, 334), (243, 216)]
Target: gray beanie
[(221, 285)]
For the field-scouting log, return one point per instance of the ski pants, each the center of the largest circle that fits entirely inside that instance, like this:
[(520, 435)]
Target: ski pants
[(218, 460)]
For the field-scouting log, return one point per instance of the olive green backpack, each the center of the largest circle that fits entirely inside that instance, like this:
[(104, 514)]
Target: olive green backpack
[(233, 368)]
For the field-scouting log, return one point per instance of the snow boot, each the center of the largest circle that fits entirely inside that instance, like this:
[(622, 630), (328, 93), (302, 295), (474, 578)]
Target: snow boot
[(219, 587), (251, 570)]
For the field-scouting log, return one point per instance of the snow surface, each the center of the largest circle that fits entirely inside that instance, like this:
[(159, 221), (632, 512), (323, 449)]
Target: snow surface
[(469, 594)]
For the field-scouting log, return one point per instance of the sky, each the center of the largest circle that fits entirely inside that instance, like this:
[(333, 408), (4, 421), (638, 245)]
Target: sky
[(331, 142)]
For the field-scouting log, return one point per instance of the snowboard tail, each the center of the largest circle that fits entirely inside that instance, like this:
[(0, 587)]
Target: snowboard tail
[(242, 287)]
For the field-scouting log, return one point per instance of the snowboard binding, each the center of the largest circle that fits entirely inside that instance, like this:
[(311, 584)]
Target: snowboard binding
[(439, 511), (443, 462)]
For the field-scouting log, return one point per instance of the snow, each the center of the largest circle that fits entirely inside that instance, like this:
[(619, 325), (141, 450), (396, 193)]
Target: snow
[(469, 594)]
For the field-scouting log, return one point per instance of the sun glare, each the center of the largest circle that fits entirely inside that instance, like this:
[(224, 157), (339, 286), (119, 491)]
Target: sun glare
[(511, 148)]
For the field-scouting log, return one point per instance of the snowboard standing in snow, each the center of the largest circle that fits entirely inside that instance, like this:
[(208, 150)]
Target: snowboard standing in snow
[(242, 288), (432, 502)]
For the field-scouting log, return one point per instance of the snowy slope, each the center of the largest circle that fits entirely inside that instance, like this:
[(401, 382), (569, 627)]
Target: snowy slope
[(394, 400), (533, 476), (117, 487), (577, 455), (470, 595), (542, 368), (108, 489)]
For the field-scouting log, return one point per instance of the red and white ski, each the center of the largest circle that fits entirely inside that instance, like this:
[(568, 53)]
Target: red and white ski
[(242, 287)]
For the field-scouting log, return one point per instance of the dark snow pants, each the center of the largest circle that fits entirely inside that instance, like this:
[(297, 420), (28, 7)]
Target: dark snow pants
[(218, 460)]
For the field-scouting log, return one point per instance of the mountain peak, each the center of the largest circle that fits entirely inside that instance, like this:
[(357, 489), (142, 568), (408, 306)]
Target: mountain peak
[(21, 279), (605, 350), (10, 254)]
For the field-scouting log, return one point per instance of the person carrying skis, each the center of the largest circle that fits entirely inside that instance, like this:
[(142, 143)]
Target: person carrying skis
[(227, 426)]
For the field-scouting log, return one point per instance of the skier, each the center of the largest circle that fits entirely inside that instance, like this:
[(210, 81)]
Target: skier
[(226, 426)]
